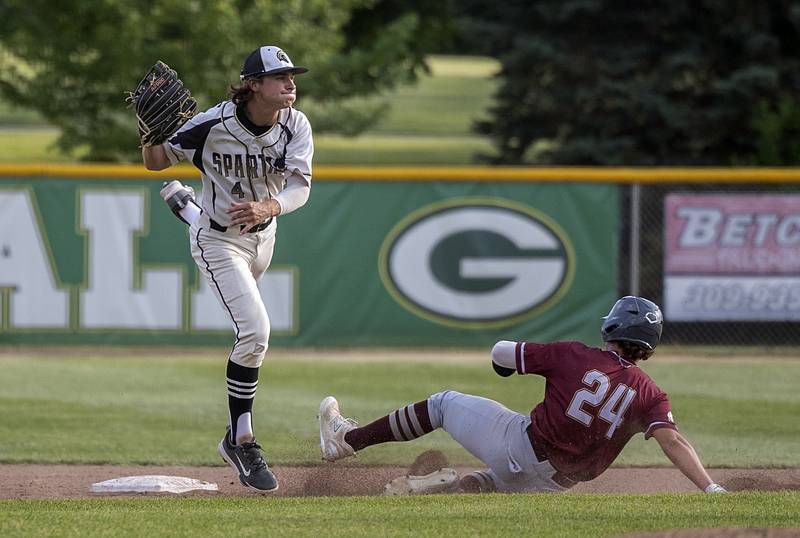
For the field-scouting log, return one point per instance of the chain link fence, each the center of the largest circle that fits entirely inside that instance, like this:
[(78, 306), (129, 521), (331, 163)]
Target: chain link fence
[(722, 259)]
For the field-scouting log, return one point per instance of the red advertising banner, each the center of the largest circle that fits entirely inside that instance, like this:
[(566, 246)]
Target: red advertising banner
[(732, 257)]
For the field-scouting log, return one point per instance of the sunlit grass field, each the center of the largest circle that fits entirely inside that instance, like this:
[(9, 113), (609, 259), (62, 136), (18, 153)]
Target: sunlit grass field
[(446, 102), (429, 122), (151, 406), (540, 515)]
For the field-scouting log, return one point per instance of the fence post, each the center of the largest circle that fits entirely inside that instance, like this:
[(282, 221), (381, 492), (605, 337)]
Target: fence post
[(636, 190)]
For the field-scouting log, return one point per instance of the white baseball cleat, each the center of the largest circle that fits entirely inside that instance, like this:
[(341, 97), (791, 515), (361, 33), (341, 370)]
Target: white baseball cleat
[(332, 429), (180, 199), (170, 189), (441, 481)]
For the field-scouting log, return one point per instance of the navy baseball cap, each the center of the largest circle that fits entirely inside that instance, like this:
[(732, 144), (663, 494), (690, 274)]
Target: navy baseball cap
[(269, 60)]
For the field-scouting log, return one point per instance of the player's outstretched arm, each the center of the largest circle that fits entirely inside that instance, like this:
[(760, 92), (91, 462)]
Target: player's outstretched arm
[(155, 158), (683, 456)]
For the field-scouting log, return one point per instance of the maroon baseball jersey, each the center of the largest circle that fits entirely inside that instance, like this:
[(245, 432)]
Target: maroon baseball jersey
[(594, 402)]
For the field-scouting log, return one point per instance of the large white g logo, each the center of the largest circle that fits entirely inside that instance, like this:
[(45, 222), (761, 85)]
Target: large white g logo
[(476, 262)]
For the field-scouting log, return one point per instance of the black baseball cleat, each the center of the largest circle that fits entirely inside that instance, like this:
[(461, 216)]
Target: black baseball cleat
[(246, 459)]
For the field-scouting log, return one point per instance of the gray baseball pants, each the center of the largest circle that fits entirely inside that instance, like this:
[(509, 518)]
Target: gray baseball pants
[(495, 435)]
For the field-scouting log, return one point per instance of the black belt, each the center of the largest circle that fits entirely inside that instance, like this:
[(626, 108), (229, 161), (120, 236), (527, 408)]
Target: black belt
[(558, 477), (220, 228)]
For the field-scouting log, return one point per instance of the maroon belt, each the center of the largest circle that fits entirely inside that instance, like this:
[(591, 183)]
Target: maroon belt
[(558, 477)]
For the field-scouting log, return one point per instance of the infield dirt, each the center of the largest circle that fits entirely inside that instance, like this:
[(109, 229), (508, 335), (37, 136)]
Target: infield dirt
[(28, 481)]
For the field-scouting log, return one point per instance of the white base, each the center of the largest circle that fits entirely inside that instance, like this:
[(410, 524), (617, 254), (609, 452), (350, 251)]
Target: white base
[(152, 484)]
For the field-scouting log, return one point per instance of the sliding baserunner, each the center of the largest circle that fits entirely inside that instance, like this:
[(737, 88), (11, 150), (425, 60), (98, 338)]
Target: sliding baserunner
[(595, 401)]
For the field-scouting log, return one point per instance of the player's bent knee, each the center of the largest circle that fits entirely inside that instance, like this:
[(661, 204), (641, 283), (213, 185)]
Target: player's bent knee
[(251, 358), (437, 404), (253, 342), (444, 397)]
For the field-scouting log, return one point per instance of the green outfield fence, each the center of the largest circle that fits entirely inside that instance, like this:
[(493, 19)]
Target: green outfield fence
[(413, 256)]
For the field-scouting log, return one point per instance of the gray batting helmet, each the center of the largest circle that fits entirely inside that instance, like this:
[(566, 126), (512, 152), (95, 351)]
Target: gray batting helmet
[(633, 319), (269, 60)]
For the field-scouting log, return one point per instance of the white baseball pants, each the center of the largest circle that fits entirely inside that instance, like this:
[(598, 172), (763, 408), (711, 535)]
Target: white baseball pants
[(232, 264)]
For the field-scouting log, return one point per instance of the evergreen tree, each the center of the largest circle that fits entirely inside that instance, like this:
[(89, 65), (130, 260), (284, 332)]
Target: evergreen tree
[(653, 82)]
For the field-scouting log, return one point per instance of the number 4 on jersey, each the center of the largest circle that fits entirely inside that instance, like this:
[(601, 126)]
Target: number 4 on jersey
[(237, 189), (611, 411)]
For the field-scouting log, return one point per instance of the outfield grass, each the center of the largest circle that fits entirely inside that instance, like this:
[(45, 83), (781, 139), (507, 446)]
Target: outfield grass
[(151, 409), (384, 149), (12, 115), (435, 516), (146, 407), (37, 145), (429, 122), (447, 102), (32, 144)]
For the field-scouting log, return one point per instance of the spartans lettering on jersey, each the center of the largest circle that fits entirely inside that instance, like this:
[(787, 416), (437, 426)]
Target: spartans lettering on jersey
[(245, 166)]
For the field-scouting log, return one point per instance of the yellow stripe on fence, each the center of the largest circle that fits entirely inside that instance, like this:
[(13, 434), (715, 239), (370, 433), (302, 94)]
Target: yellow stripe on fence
[(436, 173)]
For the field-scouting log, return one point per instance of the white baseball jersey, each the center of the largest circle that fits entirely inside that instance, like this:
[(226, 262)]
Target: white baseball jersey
[(237, 165)]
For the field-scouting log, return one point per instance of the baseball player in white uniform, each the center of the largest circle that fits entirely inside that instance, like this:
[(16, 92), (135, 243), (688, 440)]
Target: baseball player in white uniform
[(254, 154)]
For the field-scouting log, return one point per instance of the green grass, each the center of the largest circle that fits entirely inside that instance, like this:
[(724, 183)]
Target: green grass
[(381, 149), (37, 145), (32, 144), (458, 92), (163, 408), (11, 115), (428, 123), (154, 409), (442, 515)]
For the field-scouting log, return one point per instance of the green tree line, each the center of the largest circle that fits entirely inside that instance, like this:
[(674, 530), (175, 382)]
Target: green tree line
[(653, 82), (591, 82)]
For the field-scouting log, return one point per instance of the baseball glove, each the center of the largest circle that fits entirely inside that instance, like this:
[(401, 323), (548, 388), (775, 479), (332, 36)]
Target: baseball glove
[(162, 104)]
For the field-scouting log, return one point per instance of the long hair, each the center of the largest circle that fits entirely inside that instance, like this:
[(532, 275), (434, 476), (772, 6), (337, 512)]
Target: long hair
[(240, 94), (633, 352)]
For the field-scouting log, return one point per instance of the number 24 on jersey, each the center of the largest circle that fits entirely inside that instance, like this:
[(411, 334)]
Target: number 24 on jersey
[(586, 401)]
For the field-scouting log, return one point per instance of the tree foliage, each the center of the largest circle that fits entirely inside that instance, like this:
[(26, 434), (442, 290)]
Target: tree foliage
[(74, 61), (654, 82)]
